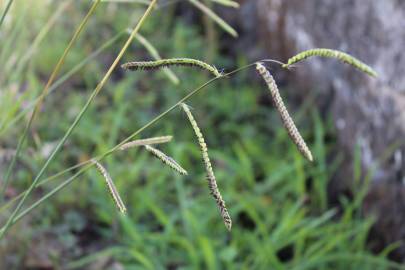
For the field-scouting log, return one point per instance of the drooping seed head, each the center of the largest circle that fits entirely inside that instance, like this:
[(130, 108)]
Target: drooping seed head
[(285, 116), (322, 52), (169, 161), (212, 183), (111, 187), (185, 62)]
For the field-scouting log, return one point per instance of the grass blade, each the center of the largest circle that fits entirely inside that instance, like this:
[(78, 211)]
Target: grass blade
[(64, 78), (85, 165), (44, 93), (79, 116), (224, 25), (6, 10), (227, 3)]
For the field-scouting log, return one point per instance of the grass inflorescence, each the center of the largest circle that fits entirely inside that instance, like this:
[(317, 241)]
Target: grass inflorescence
[(169, 161), (185, 62), (111, 187), (212, 183), (285, 116), (329, 53)]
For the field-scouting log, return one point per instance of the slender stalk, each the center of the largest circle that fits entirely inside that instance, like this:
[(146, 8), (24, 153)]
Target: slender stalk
[(119, 146), (87, 165), (79, 116), (140, 142), (3, 16), (63, 78), (45, 29), (44, 93)]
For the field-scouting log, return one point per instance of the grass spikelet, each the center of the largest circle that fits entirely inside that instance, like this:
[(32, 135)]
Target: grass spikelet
[(212, 183), (344, 57), (285, 116), (148, 141), (166, 159), (111, 187), (186, 62)]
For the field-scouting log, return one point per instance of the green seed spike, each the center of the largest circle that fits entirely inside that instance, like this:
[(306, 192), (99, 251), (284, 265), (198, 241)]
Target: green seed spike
[(187, 62), (212, 183), (285, 116), (166, 159), (344, 57), (111, 187)]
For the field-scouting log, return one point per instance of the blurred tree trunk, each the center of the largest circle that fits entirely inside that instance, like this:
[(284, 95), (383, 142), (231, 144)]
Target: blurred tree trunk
[(368, 113)]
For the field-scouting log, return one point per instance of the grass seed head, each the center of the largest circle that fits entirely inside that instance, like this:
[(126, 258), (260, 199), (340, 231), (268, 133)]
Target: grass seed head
[(344, 57), (111, 187), (212, 183), (285, 116), (158, 64), (169, 161)]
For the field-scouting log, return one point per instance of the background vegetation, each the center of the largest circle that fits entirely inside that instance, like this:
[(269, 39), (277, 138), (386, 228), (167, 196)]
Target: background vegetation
[(278, 201)]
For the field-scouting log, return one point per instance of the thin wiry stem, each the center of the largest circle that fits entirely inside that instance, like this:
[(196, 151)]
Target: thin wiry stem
[(79, 116), (64, 78), (87, 164), (6, 10), (44, 93)]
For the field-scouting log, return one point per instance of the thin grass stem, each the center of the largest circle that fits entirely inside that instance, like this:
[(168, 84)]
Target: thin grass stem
[(80, 115), (44, 93), (6, 10), (63, 79), (87, 164)]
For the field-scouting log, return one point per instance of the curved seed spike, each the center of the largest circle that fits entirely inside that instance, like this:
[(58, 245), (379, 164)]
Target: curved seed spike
[(141, 142), (344, 57), (187, 62), (285, 116), (111, 187), (212, 183), (166, 159)]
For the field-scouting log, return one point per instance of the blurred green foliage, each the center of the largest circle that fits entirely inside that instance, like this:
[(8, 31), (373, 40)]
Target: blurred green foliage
[(278, 201)]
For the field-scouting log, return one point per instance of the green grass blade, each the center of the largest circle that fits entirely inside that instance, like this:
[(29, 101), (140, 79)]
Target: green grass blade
[(79, 116), (6, 10), (224, 25), (40, 37), (64, 78), (44, 93), (85, 165), (227, 3), (143, 2)]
